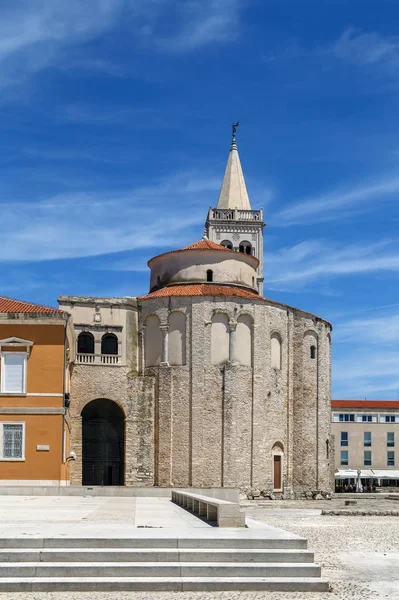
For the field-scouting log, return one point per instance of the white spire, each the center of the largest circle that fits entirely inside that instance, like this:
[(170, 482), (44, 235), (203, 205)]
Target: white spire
[(233, 193)]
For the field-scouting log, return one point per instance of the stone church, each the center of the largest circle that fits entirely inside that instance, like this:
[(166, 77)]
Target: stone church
[(203, 381)]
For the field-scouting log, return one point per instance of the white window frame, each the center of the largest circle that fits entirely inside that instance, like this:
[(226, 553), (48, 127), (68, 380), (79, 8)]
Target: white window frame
[(12, 459), (2, 374), (343, 463)]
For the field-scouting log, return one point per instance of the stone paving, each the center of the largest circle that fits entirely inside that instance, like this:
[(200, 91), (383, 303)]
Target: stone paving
[(359, 555)]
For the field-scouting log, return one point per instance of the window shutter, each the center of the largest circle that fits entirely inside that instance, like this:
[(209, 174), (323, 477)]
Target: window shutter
[(14, 375)]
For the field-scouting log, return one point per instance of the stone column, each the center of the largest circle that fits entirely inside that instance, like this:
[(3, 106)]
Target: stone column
[(232, 341), (165, 345)]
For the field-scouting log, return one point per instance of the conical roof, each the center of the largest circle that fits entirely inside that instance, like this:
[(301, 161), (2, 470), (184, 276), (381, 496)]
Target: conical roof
[(233, 193)]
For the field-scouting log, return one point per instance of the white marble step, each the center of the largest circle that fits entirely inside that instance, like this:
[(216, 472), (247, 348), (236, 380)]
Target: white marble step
[(154, 555), (81, 584), (159, 569)]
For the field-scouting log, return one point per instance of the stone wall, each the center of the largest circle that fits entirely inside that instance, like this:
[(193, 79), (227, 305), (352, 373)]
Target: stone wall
[(202, 424)]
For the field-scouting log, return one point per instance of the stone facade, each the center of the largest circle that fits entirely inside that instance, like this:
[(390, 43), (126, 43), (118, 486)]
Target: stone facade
[(200, 424)]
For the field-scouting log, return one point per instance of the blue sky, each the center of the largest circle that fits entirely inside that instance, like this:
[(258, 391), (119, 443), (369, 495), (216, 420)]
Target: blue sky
[(115, 125)]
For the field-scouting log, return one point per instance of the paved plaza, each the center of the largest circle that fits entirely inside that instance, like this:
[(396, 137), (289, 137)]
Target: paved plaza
[(358, 554)]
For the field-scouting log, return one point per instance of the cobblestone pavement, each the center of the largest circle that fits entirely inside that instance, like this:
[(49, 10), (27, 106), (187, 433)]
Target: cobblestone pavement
[(359, 555)]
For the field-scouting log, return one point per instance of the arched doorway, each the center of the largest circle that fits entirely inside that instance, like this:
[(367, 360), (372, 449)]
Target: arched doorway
[(103, 441)]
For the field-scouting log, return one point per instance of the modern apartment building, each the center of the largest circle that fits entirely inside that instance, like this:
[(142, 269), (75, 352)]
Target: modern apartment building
[(37, 347), (366, 436)]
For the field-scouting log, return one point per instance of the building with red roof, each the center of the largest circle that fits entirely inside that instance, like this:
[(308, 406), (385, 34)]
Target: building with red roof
[(203, 381), (37, 348)]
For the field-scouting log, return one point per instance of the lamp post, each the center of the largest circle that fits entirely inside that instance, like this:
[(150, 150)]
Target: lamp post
[(359, 487)]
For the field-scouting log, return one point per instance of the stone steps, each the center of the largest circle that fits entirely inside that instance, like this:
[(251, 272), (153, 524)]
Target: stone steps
[(101, 584), (108, 555), (197, 562), (160, 569)]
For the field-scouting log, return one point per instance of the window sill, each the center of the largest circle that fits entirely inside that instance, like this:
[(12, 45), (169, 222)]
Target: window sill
[(13, 394), (12, 459)]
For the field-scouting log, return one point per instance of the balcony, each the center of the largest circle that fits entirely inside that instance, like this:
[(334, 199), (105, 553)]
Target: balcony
[(98, 359), (228, 214)]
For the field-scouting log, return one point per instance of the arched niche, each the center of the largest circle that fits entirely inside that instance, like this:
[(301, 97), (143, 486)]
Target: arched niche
[(243, 344), (220, 339), (310, 342), (177, 338), (275, 349), (152, 341), (85, 343), (277, 466)]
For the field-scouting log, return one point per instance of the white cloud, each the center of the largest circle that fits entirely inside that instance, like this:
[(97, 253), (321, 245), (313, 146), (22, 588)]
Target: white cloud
[(368, 49), (35, 34), (340, 203), (92, 224), (382, 330), (203, 22), (296, 266)]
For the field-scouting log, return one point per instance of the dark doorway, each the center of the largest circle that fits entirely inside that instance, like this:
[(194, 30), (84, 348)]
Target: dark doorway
[(277, 472), (103, 443)]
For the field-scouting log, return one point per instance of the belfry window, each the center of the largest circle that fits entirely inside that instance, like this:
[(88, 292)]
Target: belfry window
[(245, 248), (227, 244), (209, 275)]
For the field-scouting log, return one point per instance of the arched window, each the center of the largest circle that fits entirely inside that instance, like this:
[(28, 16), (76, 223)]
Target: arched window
[(153, 341), (245, 248), (85, 343), (227, 244), (220, 339), (177, 338), (275, 344), (209, 275), (312, 351), (109, 344), (243, 345)]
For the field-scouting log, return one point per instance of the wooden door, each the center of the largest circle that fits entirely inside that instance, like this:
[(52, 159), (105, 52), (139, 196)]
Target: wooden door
[(277, 472)]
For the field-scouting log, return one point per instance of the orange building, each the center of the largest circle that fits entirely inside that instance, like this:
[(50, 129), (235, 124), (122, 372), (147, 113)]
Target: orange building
[(37, 346)]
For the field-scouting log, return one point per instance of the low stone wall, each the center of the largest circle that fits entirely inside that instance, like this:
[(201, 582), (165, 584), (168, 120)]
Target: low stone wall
[(229, 494)]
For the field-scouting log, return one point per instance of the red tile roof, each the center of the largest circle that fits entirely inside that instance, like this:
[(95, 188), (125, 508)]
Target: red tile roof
[(205, 244), (8, 305), (372, 404), (203, 289)]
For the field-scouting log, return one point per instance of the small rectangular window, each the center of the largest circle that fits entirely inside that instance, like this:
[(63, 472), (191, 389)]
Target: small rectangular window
[(367, 458), (388, 418), (390, 458), (13, 440), (344, 438), (345, 417), (13, 373), (390, 439), (367, 438), (344, 458)]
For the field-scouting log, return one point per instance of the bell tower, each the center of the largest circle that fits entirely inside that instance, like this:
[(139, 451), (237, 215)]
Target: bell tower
[(233, 223)]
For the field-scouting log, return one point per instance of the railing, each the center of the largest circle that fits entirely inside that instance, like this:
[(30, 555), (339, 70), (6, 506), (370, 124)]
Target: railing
[(98, 359), (227, 214)]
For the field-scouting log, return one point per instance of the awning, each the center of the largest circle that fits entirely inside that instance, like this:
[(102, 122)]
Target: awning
[(352, 474), (387, 474), (367, 474)]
